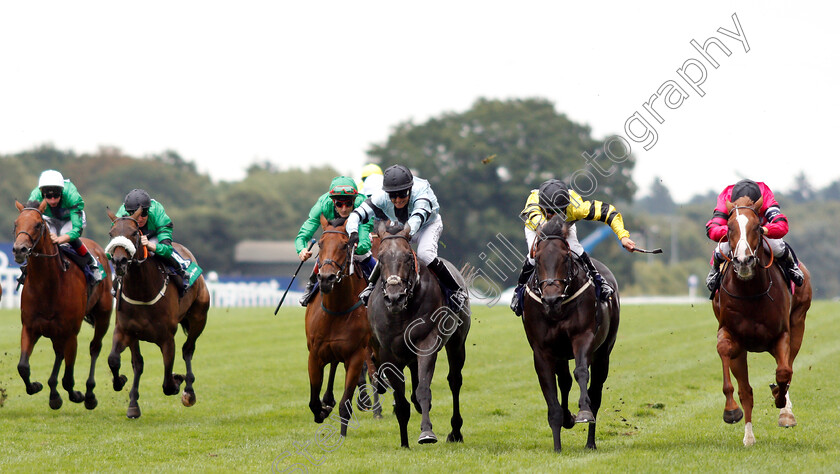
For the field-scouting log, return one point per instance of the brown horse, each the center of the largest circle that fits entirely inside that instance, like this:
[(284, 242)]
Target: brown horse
[(53, 303), (564, 320), (756, 313), (411, 323), (337, 329), (150, 309)]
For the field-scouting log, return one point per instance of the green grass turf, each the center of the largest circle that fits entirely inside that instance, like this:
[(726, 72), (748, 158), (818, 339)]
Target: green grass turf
[(662, 408)]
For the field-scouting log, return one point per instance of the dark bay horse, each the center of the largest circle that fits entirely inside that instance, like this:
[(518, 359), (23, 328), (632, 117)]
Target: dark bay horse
[(564, 321), (411, 323), (756, 313), (337, 329), (150, 309), (53, 303)]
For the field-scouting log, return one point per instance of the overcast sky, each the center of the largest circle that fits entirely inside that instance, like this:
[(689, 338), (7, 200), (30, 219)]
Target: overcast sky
[(311, 83)]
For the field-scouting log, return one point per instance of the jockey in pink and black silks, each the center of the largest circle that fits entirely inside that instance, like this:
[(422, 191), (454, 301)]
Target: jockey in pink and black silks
[(774, 226)]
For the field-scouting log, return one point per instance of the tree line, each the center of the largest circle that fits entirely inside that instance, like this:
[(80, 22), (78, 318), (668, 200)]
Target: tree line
[(482, 163)]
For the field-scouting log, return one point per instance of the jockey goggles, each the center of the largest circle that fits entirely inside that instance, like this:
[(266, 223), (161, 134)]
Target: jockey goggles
[(142, 214), (399, 194), (51, 193), (343, 202)]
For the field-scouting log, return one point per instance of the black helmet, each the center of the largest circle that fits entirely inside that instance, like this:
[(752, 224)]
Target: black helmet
[(554, 196), (746, 187), (136, 199), (397, 178)]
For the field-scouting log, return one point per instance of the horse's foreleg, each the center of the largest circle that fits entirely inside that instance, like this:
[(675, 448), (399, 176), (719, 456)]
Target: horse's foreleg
[(328, 400), (316, 380), (187, 351), (69, 381), (52, 382), (564, 381), (120, 342), (345, 409), (727, 349), (600, 370), (582, 348), (784, 371), (543, 364), (171, 385), (455, 355), (99, 329), (745, 394), (134, 393), (402, 409), (415, 381), (27, 342), (423, 392)]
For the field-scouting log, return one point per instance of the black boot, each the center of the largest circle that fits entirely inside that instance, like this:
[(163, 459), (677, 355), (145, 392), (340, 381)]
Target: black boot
[(184, 284), (524, 276), (368, 265), (93, 266), (606, 290), (310, 288), (713, 278), (458, 297), (374, 276), (792, 267)]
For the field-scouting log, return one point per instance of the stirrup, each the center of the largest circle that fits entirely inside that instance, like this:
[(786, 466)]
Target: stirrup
[(713, 280), (606, 290), (365, 294), (515, 303), (458, 299)]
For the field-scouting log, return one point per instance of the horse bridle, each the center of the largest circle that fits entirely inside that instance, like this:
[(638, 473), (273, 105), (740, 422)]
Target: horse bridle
[(32, 252), (132, 258), (752, 252), (571, 271), (409, 285), (342, 269)]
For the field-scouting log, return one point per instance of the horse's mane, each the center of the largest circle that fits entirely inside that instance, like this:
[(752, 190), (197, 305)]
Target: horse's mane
[(395, 228), (33, 203), (556, 226), (337, 222)]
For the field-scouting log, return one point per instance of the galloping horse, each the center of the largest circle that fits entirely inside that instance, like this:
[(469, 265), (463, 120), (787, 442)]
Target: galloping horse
[(564, 320), (756, 313), (149, 309), (337, 329), (53, 303), (411, 322)]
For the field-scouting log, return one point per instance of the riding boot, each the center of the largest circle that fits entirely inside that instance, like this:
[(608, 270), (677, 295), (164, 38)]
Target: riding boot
[(458, 296), (93, 266), (524, 275), (175, 263), (374, 275), (792, 267), (713, 278), (606, 290), (310, 288), (367, 266)]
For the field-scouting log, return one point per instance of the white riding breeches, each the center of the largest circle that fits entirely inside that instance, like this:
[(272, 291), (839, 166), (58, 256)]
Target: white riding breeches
[(62, 226), (427, 240)]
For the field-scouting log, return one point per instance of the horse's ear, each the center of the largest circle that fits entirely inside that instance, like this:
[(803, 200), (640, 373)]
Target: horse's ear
[(43, 206), (758, 204), (380, 227), (324, 222), (137, 213), (729, 207), (20, 207), (406, 232), (111, 215)]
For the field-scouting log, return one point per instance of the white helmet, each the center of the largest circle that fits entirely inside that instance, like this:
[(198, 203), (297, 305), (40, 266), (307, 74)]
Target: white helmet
[(51, 179)]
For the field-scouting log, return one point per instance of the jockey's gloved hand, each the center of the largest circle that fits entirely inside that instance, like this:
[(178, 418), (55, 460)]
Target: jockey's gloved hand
[(354, 239)]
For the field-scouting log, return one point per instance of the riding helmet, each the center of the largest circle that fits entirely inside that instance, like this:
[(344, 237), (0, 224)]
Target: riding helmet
[(554, 196), (51, 179), (397, 178), (136, 199), (343, 186), (370, 169), (746, 187)]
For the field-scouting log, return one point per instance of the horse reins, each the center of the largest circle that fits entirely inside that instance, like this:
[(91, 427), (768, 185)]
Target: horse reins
[(35, 242)]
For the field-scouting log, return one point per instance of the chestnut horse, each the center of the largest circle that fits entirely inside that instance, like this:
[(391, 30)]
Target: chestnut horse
[(53, 303), (411, 323), (564, 320), (756, 313), (337, 329), (150, 309)]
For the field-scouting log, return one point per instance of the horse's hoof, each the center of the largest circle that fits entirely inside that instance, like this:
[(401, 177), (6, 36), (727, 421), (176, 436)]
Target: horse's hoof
[(377, 416), (786, 420), (455, 438), (76, 397), (585, 416), (326, 410), (34, 388), (733, 416), (591, 446), (188, 399), (55, 403), (120, 382), (133, 412), (91, 402), (568, 420), (427, 437)]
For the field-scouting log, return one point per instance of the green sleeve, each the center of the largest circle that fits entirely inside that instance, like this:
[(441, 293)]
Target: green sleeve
[(307, 230), (364, 237), (160, 226), (75, 204), (35, 195)]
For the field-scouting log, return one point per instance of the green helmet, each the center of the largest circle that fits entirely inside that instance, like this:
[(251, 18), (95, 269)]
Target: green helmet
[(343, 186)]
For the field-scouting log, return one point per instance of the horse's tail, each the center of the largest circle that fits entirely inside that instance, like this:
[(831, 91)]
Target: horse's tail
[(185, 325), (468, 272)]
